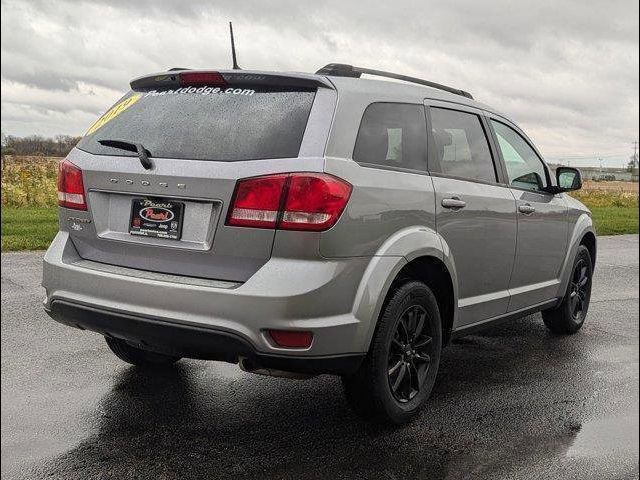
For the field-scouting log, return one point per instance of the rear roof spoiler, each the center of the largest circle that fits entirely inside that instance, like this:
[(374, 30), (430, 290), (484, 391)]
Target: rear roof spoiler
[(343, 70), (171, 79)]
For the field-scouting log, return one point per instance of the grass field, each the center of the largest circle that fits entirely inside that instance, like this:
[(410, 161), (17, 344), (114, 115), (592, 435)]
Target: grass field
[(614, 212), (28, 228), (615, 220), (30, 220)]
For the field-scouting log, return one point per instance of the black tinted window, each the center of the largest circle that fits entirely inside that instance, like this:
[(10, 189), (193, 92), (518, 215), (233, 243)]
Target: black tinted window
[(524, 167), (206, 123), (392, 135), (461, 147)]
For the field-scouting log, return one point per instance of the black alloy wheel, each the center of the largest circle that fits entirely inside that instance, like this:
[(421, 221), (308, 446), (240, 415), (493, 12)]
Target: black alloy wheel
[(409, 354), (570, 314), (579, 290)]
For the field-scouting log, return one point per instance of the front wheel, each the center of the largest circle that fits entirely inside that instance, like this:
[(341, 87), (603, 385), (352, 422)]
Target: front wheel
[(399, 372), (569, 316), (137, 356)]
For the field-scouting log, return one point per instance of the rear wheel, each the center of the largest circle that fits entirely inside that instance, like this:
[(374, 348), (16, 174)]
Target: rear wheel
[(138, 356), (569, 316), (400, 369)]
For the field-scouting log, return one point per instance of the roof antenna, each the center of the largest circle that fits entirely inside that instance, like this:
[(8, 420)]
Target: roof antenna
[(233, 49)]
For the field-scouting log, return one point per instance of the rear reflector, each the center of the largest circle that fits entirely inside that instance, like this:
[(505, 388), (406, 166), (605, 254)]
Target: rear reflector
[(202, 78), (291, 338), (293, 201), (70, 186)]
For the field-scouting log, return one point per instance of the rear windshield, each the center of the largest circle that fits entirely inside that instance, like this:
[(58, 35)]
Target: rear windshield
[(206, 123)]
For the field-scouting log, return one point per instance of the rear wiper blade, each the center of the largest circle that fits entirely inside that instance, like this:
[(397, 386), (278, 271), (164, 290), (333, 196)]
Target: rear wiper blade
[(143, 153)]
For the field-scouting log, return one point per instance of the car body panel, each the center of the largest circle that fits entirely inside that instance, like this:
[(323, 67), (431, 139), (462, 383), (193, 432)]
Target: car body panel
[(580, 224), (219, 251), (395, 253), (542, 243), (382, 203), (284, 294), (482, 241)]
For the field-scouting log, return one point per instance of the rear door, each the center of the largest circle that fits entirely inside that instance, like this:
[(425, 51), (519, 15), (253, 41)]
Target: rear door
[(202, 138), (475, 212), (542, 219)]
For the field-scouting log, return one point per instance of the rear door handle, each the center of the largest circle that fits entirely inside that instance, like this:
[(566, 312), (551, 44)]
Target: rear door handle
[(453, 203), (527, 209)]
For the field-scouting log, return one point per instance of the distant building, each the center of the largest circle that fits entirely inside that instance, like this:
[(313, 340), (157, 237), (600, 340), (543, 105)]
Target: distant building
[(606, 173)]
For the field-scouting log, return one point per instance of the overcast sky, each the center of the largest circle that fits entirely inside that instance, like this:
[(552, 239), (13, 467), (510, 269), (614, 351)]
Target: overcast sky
[(566, 71)]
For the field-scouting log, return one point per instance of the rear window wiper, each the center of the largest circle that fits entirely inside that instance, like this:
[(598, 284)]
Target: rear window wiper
[(143, 153)]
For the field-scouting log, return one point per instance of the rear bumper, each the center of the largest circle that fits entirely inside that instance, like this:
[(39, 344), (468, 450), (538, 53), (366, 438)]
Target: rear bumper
[(210, 319), (192, 341)]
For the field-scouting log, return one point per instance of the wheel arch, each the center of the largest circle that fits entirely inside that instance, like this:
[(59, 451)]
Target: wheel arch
[(415, 253), (589, 241), (582, 233), (434, 273)]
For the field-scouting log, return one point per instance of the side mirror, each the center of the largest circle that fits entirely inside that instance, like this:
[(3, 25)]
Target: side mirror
[(568, 179)]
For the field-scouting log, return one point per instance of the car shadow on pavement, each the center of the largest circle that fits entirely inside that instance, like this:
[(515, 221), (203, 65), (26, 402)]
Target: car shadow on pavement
[(191, 422)]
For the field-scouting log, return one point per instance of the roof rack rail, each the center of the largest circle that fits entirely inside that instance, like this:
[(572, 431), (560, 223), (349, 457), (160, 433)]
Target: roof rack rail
[(343, 70), (175, 69)]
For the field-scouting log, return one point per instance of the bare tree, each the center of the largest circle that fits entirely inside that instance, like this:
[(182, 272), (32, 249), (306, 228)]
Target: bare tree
[(58, 146)]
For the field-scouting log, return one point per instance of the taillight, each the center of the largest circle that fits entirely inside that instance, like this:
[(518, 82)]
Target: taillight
[(213, 79), (314, 201), (70, 186), (256, 202), (291, 201)]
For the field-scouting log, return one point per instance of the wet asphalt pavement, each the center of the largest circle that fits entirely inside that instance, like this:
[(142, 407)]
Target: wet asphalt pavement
[(512, 402)]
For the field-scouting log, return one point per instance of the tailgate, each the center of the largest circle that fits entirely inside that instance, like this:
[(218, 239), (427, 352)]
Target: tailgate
[(207, 247), (201, 141)]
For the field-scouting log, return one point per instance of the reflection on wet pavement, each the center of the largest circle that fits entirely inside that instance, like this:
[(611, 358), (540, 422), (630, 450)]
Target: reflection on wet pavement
[(608, 436)]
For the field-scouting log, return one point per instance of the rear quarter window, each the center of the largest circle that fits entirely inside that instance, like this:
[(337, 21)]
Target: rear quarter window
[(392, 135), (206, 123)]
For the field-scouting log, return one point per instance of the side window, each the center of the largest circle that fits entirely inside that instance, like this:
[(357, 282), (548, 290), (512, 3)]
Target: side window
[(392, 135), (461, 146), (524, 167)]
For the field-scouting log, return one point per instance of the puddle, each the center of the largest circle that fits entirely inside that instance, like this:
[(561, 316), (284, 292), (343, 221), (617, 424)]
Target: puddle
[(607, 436), (618, 354)]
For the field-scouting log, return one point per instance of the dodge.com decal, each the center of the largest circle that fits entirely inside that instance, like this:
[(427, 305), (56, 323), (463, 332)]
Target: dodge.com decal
[(201, 91)]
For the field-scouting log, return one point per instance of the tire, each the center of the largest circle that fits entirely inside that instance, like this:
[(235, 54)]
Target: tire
[(138, 356), (378, 391), (568, 317)]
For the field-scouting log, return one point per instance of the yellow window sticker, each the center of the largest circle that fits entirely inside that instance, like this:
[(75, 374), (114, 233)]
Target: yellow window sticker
[(113, 112)]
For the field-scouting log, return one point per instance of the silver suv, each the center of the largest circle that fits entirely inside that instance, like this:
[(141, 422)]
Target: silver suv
[(303, 224)]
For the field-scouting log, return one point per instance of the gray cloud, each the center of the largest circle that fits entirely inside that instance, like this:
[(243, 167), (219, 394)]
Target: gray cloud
[(567, 71)]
